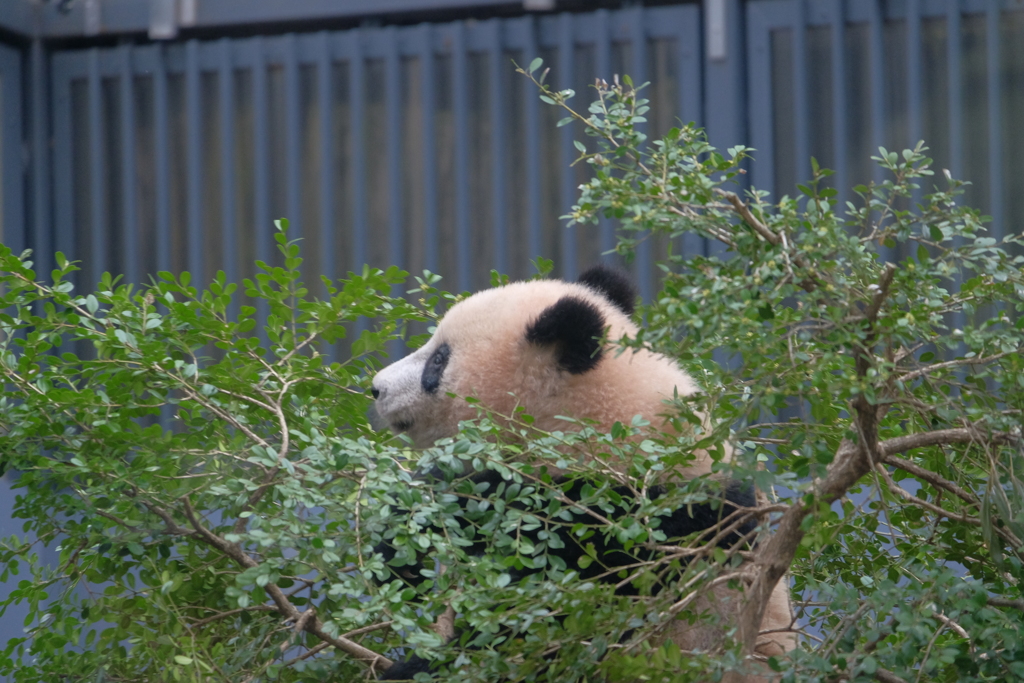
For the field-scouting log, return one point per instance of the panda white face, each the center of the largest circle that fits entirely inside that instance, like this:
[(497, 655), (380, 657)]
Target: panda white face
[(501, 346), (540, 346), (409, 395)]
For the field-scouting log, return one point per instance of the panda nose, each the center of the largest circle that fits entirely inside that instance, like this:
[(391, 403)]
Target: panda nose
[(375, 392)]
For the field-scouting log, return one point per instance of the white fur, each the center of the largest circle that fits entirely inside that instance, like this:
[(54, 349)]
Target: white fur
[(491, 360)]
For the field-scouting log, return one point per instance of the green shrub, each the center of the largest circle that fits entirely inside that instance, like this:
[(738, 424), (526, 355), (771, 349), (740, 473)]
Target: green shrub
[(216, 499)]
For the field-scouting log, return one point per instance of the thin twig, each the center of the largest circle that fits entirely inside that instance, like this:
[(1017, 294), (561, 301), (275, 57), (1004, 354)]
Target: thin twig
[(231, 613), (284, 606), (928, 476), (914, 374), (887, 676), (1006, 602), (749, 218)]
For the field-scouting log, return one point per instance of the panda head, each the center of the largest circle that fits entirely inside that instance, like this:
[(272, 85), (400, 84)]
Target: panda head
[(539, 345)]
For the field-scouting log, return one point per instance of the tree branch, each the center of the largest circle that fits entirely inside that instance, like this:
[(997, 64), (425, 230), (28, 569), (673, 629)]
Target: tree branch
[(871, 313), (928, 476), (898, 490), (231, 613), (284, 606), (749, 218), (1005, 602), (914, 374), (941, 437), (887, 676), (852, 461), (169, 523), (809, 283), (850, 464)]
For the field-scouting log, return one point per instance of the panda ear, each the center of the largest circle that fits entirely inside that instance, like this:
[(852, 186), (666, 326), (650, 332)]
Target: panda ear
[(575, 327), (612, 284)]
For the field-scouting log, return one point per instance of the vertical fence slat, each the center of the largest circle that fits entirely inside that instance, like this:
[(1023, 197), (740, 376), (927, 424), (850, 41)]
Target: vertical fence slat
[(428, 78), (726, 97), (41, 194), (762, 173), (567, 191), (292, 137), (954, 64), (638, 44), (839, 103), (62, 150), (876, 48), (802, 129), (532, 117), (193, 162), (261, 154), (603, 61), (261, 170), (130, 234), (689, 86), (393, 123), (325, 106), (496, 65), (15, 224), (688, 42), (877, 68), (995, 116), (460, 106), (100, 238), (225, 93), (357, 98), (393, 102), (914, 77), (161, 162)]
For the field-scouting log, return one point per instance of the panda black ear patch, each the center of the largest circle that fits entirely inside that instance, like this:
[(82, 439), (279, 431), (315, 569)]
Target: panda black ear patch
[(613, 284), (575, 326)]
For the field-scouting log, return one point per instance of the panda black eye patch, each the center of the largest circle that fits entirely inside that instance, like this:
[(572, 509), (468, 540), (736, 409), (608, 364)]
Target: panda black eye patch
[(433, 371)]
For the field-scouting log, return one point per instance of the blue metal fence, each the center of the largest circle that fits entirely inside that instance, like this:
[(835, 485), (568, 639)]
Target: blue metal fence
[(417, 146), (837, 80), (12, 211)]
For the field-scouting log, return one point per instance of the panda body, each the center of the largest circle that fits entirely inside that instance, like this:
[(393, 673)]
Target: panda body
[(542, 346)]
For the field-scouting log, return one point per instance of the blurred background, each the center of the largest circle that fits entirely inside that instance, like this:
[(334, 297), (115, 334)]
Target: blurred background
[(148, 135)]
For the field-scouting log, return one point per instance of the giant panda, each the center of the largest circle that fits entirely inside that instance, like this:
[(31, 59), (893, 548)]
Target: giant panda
[(542, 347)]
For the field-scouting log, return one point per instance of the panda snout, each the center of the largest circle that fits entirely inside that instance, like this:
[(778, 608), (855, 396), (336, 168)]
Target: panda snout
[(376, 420), (375, 392)]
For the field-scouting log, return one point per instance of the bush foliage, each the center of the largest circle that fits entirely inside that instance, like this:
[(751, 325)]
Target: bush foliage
[(215, 490)]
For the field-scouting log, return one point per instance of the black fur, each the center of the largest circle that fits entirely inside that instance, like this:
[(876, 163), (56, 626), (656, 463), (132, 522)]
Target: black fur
[(610, 554), (613, 284), (433, 371), (575, 327), (406, 670)]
